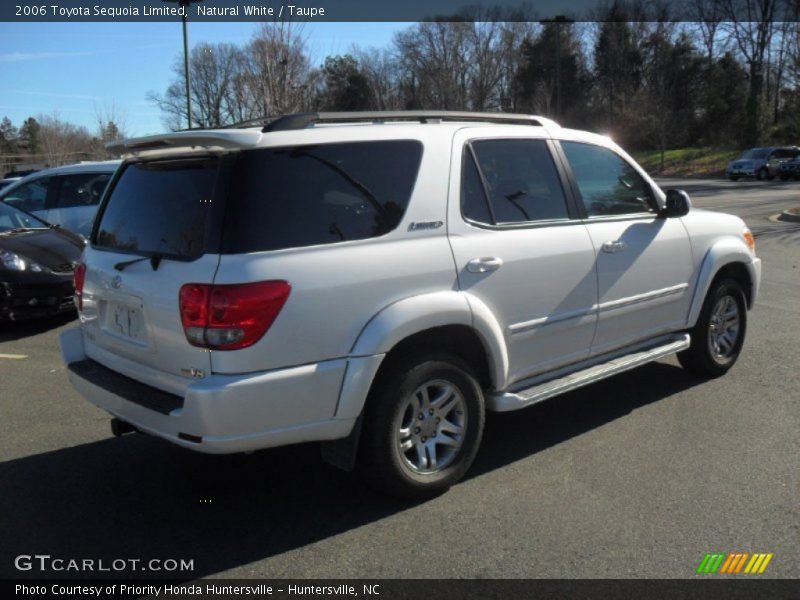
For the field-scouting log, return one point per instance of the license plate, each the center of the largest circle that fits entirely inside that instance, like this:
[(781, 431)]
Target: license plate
[(125, 321)]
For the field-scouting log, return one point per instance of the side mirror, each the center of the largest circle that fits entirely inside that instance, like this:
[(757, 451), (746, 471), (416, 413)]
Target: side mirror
[(678, 204)]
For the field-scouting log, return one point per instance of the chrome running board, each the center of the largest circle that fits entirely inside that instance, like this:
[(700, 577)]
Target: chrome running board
[(570, 378)]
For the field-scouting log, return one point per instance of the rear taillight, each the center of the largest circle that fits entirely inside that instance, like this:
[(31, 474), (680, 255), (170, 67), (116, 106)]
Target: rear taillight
[(78, 279), (229, 317)]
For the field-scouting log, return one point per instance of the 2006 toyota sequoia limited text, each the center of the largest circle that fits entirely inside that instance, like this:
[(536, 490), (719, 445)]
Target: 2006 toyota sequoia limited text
[(376, 281)]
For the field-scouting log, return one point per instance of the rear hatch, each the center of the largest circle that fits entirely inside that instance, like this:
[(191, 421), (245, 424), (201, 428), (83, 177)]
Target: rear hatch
[(158, 230)]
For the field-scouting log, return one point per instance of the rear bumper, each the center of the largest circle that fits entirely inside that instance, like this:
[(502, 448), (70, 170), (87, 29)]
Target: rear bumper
[(219, 414)]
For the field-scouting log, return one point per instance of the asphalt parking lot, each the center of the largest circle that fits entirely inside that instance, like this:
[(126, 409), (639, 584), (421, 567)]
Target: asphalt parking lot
[(636, 476)]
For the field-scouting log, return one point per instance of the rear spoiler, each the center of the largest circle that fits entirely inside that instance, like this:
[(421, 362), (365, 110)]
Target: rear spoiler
[(199, 139)]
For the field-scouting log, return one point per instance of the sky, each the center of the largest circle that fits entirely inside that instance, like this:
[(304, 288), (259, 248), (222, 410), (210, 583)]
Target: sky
[(79, 69)]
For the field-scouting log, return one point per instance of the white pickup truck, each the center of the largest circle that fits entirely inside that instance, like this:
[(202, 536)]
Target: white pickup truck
[(377, 281)]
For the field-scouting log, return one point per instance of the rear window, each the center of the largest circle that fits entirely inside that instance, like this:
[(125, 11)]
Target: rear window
[(160, 207), (308, 195)]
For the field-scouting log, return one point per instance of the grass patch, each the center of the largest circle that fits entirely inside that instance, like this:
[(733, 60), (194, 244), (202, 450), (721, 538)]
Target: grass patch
[(687, 162)]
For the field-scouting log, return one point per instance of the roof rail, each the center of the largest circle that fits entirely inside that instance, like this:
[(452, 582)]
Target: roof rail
[(304, 120), (254, 122)]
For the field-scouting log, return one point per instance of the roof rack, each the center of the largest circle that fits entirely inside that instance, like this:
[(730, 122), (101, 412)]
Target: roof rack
[(304, 120)]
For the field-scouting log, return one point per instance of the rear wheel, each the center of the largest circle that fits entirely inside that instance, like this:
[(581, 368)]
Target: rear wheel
[(734, 177), (422, 427), (718, 336)]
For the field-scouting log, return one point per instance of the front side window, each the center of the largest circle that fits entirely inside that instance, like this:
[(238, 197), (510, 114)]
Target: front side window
[(608, 184), (519, 183), (84, 189), (30, 196)]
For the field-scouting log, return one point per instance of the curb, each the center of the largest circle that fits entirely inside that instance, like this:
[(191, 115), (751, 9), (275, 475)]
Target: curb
[(792, 215)]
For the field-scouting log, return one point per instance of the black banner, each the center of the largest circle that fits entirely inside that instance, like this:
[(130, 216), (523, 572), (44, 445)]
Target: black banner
[(376, 11), (414, 589)]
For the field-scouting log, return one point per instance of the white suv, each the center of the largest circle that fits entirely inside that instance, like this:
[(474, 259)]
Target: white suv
[(376, 281)]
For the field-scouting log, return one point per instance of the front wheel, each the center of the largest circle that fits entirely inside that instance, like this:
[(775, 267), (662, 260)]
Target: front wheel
[(718, 335), (422, 427), (762, 174)]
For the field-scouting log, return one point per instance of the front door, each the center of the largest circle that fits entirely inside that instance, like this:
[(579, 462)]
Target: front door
[(644, 262)]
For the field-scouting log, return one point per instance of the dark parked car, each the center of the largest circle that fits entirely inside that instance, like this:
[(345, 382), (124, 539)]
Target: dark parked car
[(789, 170), (761, 163), (36, 264)]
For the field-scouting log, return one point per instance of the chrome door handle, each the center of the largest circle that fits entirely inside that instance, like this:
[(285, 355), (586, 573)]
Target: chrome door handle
[(484, 265), (612, 247)]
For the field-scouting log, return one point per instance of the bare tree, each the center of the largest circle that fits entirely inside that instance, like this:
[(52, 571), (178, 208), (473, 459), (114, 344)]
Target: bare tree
[(751, 24), (708, 15), (278, 72), (217, 75), (380, 68), (62, 142)]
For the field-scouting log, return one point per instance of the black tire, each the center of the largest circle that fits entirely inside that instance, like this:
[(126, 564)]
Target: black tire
[(784, 178), (762, 174), (734, 177), (382, 462), (700, 358)]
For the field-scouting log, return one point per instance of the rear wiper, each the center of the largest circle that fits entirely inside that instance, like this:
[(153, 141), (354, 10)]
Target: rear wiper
[(155, 261), (23, 229)]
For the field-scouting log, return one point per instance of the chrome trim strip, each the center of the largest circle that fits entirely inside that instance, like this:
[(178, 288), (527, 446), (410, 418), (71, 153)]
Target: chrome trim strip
[(646, 297), (524, 326)]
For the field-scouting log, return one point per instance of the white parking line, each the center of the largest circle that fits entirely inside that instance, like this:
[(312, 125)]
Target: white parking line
[(14, 356)]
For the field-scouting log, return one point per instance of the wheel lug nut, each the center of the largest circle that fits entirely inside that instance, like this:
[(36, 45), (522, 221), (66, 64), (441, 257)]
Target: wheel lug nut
[(424, 438), (416, 430), (430, 411), (421, 416)]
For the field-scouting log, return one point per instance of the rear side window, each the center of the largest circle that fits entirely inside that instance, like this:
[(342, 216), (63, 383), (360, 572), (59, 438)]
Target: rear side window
[(160, 207), (520, 179), (308, 195), (85, 189)]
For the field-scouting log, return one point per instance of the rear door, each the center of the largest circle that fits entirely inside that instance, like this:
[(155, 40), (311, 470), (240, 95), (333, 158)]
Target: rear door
[(521, 249), (157, 231)]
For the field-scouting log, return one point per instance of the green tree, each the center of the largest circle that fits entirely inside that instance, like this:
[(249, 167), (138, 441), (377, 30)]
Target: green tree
[(346, 87), (8, 136), (29, 136), (724, 98), (537, 77), (618, 73)]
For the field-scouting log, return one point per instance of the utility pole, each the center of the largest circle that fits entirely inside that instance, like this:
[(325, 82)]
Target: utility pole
[(185, 4), (558, 20)]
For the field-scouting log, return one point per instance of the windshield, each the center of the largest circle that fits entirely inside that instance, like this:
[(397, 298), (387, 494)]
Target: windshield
[(160, 208), (13, 218), (756, 153)]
